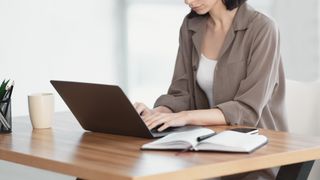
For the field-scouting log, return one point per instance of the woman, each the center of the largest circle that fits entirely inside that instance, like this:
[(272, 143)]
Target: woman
[(228, 70)]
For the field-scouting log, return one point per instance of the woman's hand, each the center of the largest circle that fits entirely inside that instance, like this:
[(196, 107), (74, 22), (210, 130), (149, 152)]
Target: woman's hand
[(142, 109), (166, 119), (164, 116)]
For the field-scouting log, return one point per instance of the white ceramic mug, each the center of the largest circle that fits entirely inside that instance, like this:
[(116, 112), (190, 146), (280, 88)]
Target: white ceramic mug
[(41, 108)]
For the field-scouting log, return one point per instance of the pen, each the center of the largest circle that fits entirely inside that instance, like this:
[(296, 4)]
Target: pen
[(7, 93), (9, 98), (4, 122), (201, 138)]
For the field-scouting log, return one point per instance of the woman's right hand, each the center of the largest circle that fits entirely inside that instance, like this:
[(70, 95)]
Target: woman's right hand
[(142, 109)]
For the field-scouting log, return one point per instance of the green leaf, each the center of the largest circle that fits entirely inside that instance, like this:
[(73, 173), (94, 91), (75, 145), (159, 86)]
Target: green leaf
[(3, 88)]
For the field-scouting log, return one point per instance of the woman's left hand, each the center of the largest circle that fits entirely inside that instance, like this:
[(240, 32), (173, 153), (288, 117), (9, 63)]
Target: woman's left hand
[(166, 119)]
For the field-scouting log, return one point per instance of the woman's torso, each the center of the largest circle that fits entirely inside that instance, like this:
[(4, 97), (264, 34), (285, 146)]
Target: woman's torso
[(232, 68)]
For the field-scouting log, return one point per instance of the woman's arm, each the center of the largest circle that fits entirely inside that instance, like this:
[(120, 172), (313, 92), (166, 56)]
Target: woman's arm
[(163, 115), (192, 117), (206, 117)]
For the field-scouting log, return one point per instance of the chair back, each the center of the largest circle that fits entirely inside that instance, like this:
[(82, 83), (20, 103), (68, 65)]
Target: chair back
[(303, 112), (303, 107)]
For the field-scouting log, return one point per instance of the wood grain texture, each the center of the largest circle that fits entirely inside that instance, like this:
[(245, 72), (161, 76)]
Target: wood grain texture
[(67, 148)]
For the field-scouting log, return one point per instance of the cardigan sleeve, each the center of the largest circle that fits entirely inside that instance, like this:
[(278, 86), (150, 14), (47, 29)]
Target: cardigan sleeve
[(261, 79), (178, 95)]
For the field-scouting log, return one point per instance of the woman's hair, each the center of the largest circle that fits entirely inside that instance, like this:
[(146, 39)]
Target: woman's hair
[(230, 5)]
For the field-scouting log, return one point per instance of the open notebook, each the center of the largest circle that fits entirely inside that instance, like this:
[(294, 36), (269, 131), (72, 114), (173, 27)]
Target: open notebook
[(227, 141)]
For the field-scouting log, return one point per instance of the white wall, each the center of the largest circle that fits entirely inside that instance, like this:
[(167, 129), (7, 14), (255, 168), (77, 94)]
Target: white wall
[(153, 37), (56, 39), (299, 27), (42, 40)]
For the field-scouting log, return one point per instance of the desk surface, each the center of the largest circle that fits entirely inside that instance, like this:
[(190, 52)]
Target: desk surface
[(68, 149)]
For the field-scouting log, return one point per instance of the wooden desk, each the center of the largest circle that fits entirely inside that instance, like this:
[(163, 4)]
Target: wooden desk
[(67, 149)]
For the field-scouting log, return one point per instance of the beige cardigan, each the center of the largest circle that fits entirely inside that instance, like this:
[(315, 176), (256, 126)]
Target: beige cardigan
[(249, 82)]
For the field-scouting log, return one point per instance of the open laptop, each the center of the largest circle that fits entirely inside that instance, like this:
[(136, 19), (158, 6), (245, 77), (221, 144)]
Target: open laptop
[(106, 109)]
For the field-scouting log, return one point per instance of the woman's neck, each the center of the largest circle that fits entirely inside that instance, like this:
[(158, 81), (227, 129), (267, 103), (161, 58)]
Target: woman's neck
[(221, 18)]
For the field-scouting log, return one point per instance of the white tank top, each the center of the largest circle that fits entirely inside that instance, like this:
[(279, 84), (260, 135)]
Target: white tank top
[(205, 77)]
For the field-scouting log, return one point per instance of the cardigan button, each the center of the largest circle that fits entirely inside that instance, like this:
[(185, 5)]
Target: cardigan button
[(194, 68)]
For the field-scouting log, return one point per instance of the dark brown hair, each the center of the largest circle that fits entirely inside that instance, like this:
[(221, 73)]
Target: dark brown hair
[(230, 5)]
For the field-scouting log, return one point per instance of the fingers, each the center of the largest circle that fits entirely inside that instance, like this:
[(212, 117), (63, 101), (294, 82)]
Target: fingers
[(146, 112), (167, 119), (141, 108), (165, 126), (151, 117), (158, 121)]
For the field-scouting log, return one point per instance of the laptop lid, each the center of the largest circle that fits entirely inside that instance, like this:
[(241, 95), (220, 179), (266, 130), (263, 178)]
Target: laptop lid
[(102, 108)]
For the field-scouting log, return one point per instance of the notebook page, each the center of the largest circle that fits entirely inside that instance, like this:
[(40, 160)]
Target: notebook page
[(235, 141), (179, 139)]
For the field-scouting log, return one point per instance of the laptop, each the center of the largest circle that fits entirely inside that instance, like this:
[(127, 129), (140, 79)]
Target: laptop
[(106, 109)]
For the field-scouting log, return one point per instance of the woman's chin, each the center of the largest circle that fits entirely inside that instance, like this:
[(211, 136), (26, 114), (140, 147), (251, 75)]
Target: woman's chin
[(200, 12)]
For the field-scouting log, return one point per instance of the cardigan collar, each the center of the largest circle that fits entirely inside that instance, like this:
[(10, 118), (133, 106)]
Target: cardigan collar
[(242, 19)]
